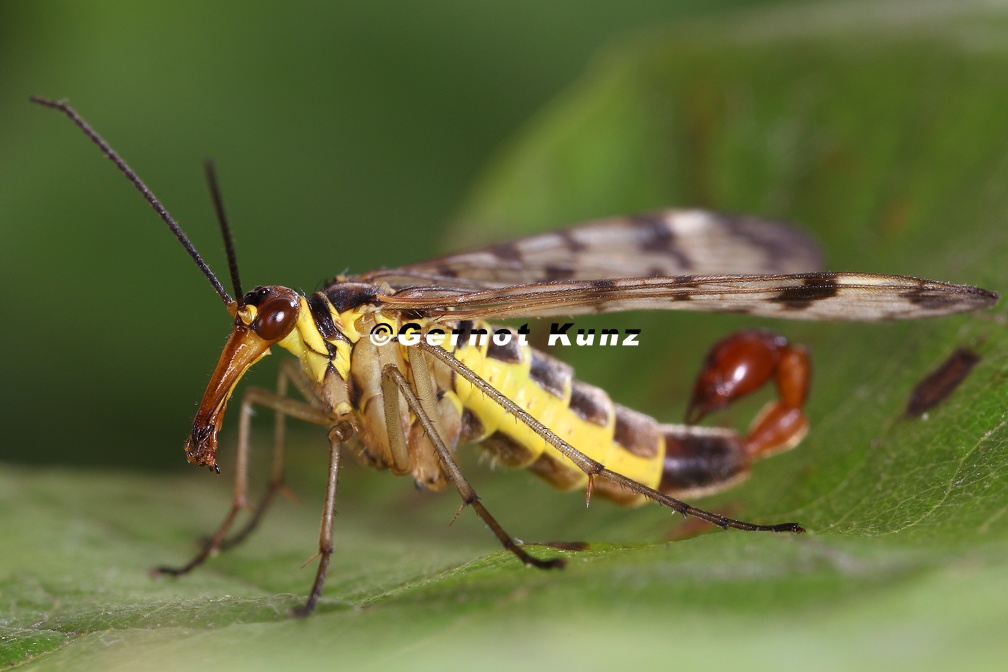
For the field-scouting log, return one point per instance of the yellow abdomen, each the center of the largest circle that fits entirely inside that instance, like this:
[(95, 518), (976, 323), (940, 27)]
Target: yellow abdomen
[(624, 440)]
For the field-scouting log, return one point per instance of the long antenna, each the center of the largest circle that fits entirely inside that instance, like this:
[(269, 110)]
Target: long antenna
[(142, 188), (211, 176)]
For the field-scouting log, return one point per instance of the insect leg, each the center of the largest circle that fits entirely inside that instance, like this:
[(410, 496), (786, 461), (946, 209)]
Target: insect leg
[(289, 372), (742, 363), (394, 382), (283, 406), (588, 465), (337, 435), (424, 387)]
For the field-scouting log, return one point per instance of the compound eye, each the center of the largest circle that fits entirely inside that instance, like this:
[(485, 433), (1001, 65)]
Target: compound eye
[(275, 319)]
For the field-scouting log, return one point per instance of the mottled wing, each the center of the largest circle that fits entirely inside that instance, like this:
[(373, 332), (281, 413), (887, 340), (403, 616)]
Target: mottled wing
[(807, 296), (662, 244)]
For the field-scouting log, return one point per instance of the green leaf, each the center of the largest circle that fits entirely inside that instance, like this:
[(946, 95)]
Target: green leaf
[(882, 134)]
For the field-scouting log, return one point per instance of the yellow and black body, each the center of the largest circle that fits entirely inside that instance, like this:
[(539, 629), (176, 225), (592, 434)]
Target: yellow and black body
[(369, 371)]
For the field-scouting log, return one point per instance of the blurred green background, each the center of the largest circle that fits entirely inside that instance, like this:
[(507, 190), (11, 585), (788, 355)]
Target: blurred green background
[(346, 137)]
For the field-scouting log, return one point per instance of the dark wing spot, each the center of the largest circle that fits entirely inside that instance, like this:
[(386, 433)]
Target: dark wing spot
[(654, 232), (603, 284), (507, 252), (776, 242), (811, 290), (929, 299), (570, 241), (447, 271), (683, 290), (655, 235), (553, 272)]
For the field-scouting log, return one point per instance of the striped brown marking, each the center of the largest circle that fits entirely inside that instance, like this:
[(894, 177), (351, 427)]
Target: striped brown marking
[(779, 244), (466, 327), (506, 450), (654, 231), (563, 476), (348, 295), (551, 374), (319, 307), (331, 350), (354, 391), (656, 235), (635, 432), (571, 241), (698, 459), (472, 428), (812, 290), (590, 403), (509, 353)]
